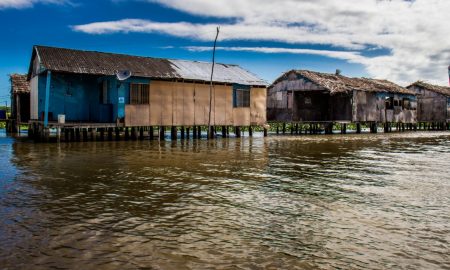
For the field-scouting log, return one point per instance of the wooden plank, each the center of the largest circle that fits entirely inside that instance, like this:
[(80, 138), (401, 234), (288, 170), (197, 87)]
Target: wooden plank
[(257, 106), (201, 104)]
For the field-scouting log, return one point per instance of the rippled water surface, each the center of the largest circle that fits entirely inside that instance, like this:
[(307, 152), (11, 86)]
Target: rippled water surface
[(312, 202)]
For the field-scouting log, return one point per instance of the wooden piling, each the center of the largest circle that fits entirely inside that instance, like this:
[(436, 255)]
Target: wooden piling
[(162, 131), (182, 133), (250, 131), (224, 132), (237, 132), (173, 133)]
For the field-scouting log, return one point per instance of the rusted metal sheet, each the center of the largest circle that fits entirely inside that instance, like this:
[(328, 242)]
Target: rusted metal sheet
[(100, 63)]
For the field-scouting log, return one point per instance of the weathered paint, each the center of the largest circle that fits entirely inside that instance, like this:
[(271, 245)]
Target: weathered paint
[(47, 97)]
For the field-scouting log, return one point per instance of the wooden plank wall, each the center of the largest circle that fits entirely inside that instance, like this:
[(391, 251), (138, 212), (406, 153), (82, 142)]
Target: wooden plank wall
[(187, 104)]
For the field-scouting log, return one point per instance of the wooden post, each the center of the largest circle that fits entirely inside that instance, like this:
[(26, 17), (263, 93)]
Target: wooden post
[(133, 134), (127, 134), (237, 132), (117, 131), (110, 134), (278, 128), (77, 134), (296, 128), (47, 97), (150, 133), (162, 132), (284, 128), (194, 132), (265, 132), (58, 134), (199, 132), (93, 135), (182, 133), (173, 133), (187, 133), (102, 134), (224, 132), (85, 134), (141, 133), (358, 128), (250, 131), (211, 132)]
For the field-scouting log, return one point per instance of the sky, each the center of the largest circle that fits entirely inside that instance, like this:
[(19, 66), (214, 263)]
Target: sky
[(399, 40)]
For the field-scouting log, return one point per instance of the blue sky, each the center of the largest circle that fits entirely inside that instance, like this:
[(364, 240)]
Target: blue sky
[(364, 38)]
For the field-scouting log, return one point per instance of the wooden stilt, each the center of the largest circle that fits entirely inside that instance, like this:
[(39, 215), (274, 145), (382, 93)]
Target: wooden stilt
[(238, 132), (151, 133), (194, 132), (141, 133), (265, 132), (127, 134), (187, 133), (250, 131), (199, 132), (85, 134), (224, 132), (110, 134), (162, 131), (182, 133), (173, 133)]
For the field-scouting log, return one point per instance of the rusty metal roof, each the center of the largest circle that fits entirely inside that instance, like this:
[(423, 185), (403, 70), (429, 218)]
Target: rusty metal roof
[(339, 83), (431, 87), (100, 63), (19, 84)]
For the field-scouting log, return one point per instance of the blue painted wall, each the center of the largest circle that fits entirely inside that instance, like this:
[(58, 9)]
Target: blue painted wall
[(78, 97)]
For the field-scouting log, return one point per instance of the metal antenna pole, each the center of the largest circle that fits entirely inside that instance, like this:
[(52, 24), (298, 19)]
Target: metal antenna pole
[(210, 132)]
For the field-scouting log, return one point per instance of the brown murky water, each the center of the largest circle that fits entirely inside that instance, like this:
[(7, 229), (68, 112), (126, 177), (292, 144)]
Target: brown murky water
[(312, 202)]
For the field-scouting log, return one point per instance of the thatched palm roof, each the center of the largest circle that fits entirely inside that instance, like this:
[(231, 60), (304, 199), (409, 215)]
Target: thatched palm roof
[(338, 83), (19, 84), (430, 87)]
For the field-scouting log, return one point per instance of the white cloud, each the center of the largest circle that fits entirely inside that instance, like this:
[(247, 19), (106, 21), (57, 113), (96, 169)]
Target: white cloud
[(19, 4), (351, 56), (415, 33)]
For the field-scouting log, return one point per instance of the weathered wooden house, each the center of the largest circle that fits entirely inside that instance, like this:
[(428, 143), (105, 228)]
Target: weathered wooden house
[(20, 101), (304, 96), (133, 91), (433, 102)]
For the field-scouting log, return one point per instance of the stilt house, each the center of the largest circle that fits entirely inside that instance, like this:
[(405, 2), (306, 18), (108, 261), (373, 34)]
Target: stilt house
[(129, 91), (20, 100), (314, 97), (433, 102)]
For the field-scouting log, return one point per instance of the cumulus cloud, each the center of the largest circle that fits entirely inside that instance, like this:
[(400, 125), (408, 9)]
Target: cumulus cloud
[(414, 33), (19, 4)]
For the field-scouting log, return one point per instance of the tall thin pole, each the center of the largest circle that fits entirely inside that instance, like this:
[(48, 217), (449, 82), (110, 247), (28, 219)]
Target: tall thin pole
[(210, 132)]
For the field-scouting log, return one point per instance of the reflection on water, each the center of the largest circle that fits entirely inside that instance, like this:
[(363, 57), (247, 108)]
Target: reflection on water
[(312, 202)]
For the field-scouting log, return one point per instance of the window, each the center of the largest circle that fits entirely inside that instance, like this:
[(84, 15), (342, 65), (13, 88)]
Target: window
[(406, 104), (241, 98), (139, 93), (389, 103)]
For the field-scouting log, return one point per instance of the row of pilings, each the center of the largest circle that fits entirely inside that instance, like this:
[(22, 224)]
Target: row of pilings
[(38, 133), (372, 127), (77, 134)]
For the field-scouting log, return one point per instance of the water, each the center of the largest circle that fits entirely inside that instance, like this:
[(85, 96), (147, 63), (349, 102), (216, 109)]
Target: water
[(312, 202)]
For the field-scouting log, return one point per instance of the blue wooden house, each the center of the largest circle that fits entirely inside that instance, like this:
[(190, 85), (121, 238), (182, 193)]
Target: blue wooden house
[(97, 87)]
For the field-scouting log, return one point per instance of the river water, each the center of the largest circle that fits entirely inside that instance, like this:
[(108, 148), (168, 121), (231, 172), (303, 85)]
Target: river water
[(367, 201)]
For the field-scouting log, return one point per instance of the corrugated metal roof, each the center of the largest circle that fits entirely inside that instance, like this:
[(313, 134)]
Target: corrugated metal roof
[(100, 63), (339, 83), (19, 83), (431, 87)]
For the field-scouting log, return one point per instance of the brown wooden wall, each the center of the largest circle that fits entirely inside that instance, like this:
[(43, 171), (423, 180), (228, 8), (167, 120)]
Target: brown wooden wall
[(187, 104), (431, 106), (370, 107)]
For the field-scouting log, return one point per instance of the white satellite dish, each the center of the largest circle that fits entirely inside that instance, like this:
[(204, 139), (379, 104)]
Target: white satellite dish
[(122, 75)]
